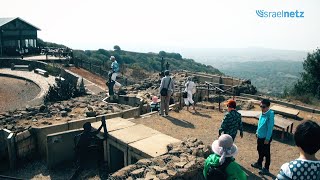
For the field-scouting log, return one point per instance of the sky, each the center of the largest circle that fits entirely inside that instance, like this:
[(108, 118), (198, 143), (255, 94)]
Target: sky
[(170, 25)]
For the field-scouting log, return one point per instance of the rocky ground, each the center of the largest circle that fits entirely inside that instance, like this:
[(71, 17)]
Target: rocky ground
[(15, 93), (184, 160), (205, 123), (57, 112)]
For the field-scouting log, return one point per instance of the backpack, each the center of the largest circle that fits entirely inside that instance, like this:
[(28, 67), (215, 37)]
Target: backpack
[(164, 91), (219, 172)]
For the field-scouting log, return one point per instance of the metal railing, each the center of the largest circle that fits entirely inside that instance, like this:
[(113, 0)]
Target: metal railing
[(210, 88)]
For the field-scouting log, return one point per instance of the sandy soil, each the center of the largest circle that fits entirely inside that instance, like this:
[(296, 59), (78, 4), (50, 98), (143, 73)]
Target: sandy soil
[(15, 93), (204, 125)]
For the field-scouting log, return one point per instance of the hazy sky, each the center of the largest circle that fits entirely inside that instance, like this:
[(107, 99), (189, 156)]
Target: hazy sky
[(149, 25)]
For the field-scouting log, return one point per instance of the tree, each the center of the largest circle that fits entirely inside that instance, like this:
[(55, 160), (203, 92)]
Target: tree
[(162, 54), (104, 52), (309, 83), (177, 56), (117, 48)]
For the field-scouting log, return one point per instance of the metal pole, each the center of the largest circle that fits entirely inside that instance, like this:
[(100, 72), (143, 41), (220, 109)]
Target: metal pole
[(208, 91), (219, 103), (162, 64), (1, 42), (180, 99)]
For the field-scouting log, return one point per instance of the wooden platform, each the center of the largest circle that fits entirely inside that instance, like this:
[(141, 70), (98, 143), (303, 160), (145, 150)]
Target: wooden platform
[(290, 112), (284, 124), (250, 114)]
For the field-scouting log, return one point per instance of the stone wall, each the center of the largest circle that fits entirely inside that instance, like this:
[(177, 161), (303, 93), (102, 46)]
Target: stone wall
[(41, 133), (229, 81), (3, 146), (61, 147), (54, 71), (184, 160), (130, 100), (25, 144)]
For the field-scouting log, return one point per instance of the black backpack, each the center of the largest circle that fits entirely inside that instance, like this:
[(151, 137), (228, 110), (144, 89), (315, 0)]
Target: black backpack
[(219, 172), (164, 91)]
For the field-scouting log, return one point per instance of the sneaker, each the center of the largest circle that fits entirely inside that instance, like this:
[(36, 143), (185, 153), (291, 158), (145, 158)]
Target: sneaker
[(164, 115), (256, 165), (264, 171)]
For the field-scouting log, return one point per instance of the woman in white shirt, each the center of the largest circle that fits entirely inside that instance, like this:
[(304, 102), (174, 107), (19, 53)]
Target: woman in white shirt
[(190, 89)]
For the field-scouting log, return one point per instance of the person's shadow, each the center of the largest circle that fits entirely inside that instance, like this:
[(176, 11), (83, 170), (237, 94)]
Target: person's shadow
[(179, 122), (197, 113), (250, 175)]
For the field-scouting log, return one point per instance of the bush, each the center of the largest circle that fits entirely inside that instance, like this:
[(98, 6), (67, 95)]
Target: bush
[(306, 98), (54, 71), (60, 92)]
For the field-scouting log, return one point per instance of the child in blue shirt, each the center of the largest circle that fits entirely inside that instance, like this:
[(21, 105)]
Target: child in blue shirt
[(264, 136)]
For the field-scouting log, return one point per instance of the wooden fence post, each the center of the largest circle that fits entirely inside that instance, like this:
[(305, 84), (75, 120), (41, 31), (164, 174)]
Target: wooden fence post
[(208, 91)]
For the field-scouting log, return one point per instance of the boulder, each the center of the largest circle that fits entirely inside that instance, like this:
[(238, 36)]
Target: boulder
[(138, 172), (64, 113), (159, 169), (144, 162), (150, 176), (122, 173), (83, 105), (163, 176), (91, 114), (68, 109), (190, 164), (42, 108), (180, 164), (172, 173)]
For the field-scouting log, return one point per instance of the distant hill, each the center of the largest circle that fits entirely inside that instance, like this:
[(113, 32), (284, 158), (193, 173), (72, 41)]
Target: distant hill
[(150, 62), (270, 70), (42, 44), (270, 77), (218, 56)]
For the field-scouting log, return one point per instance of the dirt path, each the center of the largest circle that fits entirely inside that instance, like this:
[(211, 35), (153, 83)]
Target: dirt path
[(89, 76), (204, 126)]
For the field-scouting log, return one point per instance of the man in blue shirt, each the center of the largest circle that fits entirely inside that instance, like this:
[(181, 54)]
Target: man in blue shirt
[(113, 75), (264, 136), (115, 68)]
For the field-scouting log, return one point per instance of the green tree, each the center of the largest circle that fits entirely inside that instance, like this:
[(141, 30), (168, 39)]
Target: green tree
[(309, 83), (104, 52), (162, 54), (117, 48)]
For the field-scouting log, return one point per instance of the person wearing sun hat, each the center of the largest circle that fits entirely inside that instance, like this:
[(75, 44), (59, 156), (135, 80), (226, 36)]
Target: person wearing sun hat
[(231, 122), (224, 151), (155, 104)]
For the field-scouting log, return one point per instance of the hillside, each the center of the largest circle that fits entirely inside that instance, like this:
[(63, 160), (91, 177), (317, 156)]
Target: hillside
[(270, 77), (150, 62), (218, 56)]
